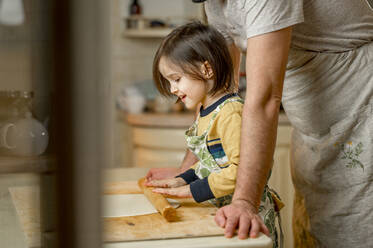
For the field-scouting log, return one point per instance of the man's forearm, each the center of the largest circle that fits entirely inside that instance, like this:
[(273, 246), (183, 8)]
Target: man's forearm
[(258, 140), (265, 70)]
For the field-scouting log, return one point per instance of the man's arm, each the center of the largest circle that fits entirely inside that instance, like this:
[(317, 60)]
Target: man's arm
[(265, 70), (266, 60)]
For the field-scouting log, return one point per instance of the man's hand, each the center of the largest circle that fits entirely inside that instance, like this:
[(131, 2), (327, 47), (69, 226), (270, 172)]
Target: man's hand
[(182, 192), (240, 215), (162, 173)]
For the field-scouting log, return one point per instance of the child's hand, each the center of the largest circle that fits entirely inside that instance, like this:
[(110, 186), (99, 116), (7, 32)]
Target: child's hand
[(167, 183), (162, 173), (172, 187), (182, 192)]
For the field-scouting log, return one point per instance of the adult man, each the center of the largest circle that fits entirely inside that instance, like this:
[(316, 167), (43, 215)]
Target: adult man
[(326, 49)]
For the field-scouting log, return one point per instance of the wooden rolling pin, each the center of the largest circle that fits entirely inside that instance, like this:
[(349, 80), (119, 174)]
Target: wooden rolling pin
[(158, 201)]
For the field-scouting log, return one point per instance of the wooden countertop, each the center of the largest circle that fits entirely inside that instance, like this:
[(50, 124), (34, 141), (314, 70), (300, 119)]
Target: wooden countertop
[(11, 234), (173, 120), (125, 174)]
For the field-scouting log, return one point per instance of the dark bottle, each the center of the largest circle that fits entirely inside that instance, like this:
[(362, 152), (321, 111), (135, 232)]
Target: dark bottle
[(135, 8)]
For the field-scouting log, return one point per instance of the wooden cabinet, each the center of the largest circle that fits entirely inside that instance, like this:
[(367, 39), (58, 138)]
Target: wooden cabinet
[(158, 139), (158, 147)]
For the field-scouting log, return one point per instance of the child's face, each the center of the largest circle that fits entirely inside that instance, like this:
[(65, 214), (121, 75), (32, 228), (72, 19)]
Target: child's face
[(190, 91)]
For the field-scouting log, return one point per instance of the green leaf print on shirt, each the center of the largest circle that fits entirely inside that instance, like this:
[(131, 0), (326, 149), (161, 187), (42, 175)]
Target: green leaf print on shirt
[(204, 172), (351, 153)]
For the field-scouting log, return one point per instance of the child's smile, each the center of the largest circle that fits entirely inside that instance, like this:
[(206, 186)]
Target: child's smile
[(182, 98)]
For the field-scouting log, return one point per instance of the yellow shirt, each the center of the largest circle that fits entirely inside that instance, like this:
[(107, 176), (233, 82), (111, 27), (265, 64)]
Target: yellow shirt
[(223, 142)]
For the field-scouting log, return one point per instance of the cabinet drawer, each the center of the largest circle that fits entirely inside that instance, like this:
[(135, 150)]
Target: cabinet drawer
[(150, 157), (159, 138)]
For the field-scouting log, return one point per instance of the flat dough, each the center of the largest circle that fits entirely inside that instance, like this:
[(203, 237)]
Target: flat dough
[(126, 205), (129, 205)]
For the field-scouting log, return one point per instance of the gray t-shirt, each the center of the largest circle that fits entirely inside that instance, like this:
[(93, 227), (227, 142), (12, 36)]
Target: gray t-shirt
[(319, 25)]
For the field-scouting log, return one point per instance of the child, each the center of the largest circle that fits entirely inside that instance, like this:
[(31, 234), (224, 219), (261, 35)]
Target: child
[(193, 63)]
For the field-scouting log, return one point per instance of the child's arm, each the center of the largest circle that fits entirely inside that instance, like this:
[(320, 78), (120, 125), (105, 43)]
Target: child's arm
[(173, 187), (188, 161), (186, 178), (189, 175), (216, 184), (163, 173), (183, 191), (167, 183), (178, 186)]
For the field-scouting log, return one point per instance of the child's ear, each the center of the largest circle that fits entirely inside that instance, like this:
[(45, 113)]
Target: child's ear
[(207, 70)]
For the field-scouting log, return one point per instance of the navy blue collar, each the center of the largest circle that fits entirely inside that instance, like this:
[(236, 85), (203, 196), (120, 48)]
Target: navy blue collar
[(212, 107)]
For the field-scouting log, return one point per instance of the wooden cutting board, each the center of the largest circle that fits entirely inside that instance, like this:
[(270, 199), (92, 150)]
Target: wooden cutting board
[(193, 220)]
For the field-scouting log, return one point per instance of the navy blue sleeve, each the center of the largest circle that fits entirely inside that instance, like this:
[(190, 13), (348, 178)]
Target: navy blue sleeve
[(200, 190), (189, 176)]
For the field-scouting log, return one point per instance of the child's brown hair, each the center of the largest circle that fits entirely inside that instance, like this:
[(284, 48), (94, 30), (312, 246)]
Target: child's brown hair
[(188, 47)]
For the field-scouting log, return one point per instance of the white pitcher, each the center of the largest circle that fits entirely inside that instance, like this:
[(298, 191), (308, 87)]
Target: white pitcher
[(23, 137)]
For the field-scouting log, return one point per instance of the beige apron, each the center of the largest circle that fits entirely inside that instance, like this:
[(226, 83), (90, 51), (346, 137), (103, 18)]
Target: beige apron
[(328, 98)]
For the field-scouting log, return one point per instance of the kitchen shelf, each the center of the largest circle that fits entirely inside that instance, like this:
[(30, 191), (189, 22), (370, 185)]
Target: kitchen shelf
[(41, 164), (146, 33)]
